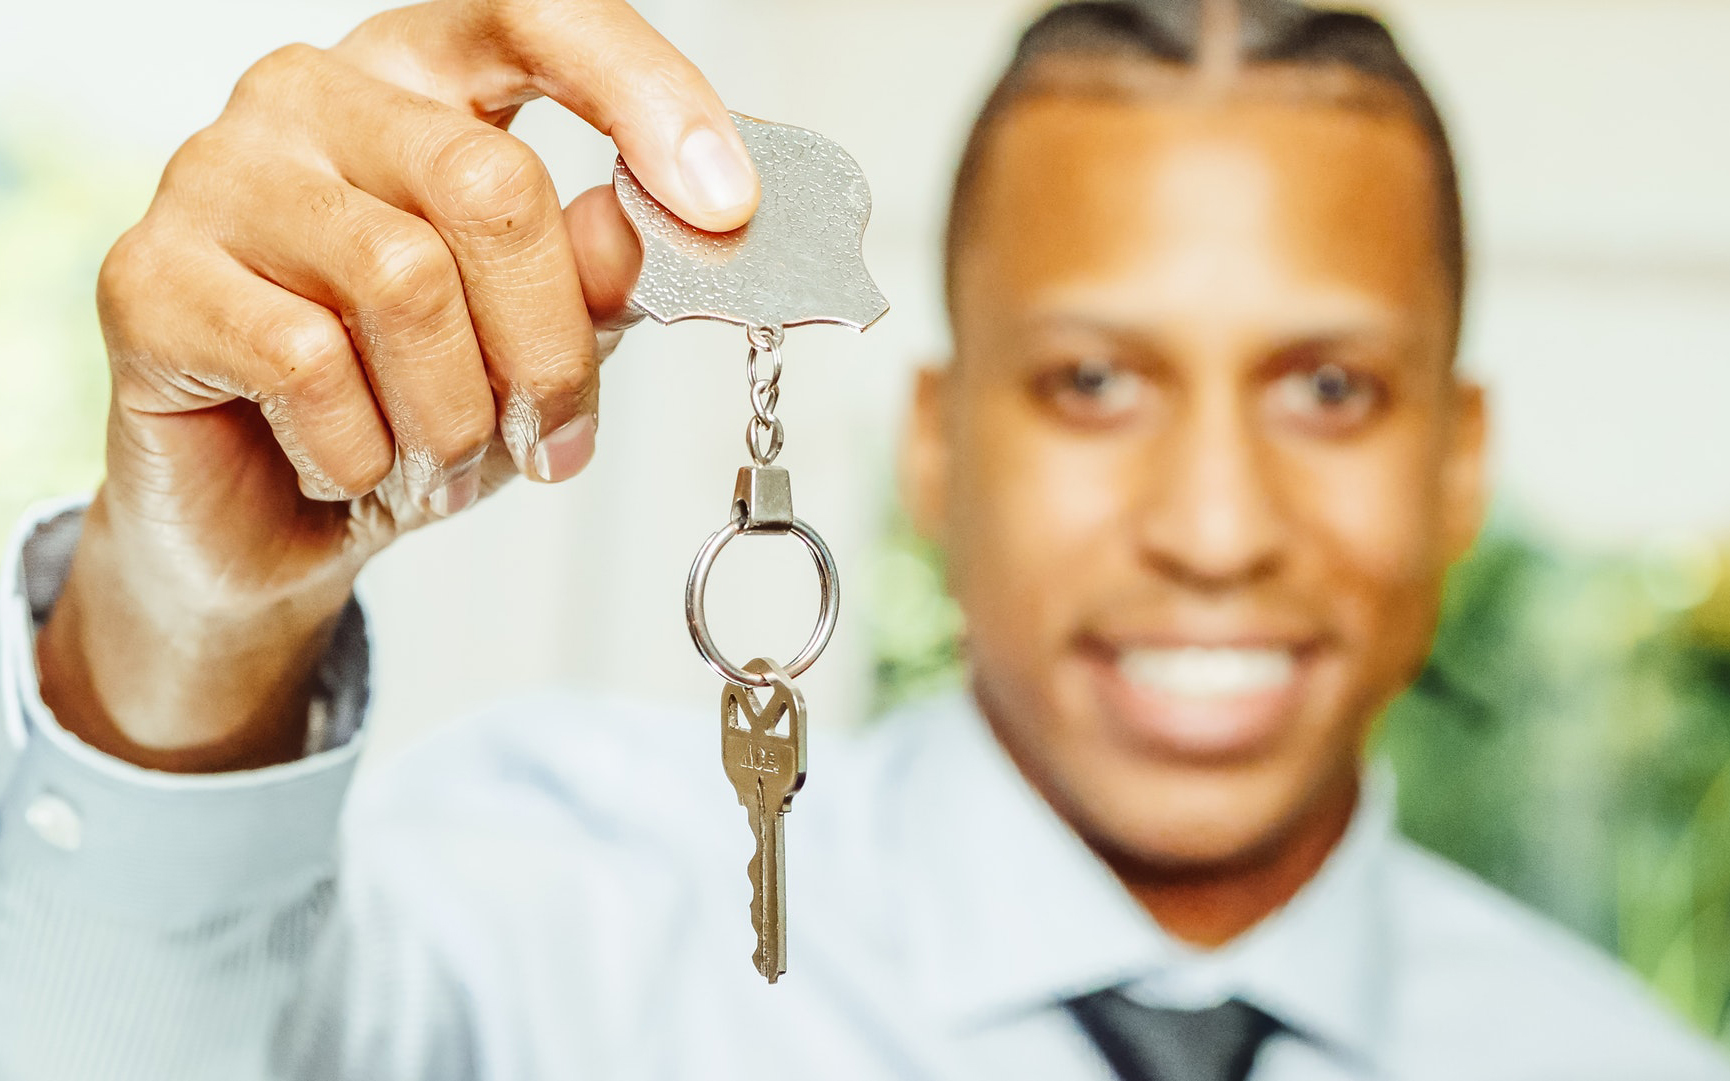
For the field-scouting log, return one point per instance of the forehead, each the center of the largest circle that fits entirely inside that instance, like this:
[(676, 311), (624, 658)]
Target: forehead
[(1183, 202)]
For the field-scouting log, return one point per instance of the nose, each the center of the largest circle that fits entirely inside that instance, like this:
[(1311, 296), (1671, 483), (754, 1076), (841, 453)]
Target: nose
[(1210, 519)]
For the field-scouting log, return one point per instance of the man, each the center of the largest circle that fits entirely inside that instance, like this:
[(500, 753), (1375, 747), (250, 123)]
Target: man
[(1199, 464)]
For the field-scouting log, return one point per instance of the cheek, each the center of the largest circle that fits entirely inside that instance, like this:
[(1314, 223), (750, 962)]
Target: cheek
[(1032, 513), (1374, 507), (1370, 517)]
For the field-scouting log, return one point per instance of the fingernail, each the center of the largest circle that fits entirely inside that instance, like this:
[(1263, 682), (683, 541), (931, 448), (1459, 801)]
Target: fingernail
[(563, 454), (717, 175), (321, 490), (458, 494)]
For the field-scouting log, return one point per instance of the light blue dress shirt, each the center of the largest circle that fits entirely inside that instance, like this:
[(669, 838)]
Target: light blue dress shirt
[(557, 890)]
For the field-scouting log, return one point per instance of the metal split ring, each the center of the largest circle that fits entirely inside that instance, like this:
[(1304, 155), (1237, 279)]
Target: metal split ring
[(828, 580)]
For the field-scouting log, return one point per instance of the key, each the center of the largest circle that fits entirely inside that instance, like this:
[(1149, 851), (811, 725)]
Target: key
[(798, 260), (766, 768)]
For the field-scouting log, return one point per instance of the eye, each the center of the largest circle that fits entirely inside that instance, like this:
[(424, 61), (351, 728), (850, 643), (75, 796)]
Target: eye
[(1091, 391), (1328, 399)]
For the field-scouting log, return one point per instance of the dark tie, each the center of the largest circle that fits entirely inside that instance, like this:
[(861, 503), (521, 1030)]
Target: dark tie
[(1146, 1043)]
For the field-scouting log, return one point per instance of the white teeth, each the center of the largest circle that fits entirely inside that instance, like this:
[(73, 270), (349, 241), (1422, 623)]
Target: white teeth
[(1197, 672)]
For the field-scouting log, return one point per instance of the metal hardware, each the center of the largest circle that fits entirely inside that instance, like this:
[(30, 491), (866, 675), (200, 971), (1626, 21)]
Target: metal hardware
[(798, 260), (829, 586)]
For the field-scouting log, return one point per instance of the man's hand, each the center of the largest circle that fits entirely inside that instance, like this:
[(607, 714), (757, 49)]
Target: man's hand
[(354, 305)]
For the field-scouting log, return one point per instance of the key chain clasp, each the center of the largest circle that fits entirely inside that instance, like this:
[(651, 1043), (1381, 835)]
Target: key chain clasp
[(762, 504)]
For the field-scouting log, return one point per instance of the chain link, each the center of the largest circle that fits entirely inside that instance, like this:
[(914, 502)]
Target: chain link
[(764, 433)]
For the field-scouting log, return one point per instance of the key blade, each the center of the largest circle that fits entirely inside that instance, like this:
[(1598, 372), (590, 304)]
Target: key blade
[(772, 938), (768, 871)]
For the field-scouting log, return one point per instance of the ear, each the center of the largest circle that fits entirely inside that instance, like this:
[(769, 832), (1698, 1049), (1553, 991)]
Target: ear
[(925, 454), (1465, 480)]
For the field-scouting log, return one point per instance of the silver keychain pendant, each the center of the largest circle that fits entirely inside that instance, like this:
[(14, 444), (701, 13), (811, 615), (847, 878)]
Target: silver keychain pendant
[(797, 261)]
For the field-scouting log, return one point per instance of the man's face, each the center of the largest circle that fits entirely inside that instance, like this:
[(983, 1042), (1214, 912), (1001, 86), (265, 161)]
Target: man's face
[(1201, 461)]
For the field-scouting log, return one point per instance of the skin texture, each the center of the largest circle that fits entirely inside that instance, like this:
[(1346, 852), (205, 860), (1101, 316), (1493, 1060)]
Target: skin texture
[(354, 306), (1202, 396)]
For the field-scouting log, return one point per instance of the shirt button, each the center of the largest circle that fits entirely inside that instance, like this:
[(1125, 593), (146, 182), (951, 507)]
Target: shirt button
[(55, 821)]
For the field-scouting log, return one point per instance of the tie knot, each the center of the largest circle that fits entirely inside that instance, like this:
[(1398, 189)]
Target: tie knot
[(1150, 1043)]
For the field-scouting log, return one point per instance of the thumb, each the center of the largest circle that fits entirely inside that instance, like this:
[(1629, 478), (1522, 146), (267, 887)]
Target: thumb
[(604, 62), (597, 58)]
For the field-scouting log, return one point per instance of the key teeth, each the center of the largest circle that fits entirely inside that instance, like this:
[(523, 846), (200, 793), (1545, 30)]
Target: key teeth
[(759, 956), (762, 959)]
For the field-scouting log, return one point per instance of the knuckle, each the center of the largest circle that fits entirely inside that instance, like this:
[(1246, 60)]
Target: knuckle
[(264, 80), (309, 359), (666, 77), (309, 395), (554, 386), (127, 264), (508, 17), (404, 270), (489, 177), (462, 437), (127, 284), (194, 157), (361, 467), (339, 462)]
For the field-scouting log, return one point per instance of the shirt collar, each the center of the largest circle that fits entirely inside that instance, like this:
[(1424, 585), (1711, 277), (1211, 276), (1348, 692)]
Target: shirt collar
[(1011, 913)]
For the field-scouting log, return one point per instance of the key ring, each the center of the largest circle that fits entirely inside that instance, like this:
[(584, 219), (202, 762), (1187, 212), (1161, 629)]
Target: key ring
[(828, 582)]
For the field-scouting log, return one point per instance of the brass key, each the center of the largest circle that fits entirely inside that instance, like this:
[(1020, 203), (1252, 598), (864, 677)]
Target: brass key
[(766, 768)]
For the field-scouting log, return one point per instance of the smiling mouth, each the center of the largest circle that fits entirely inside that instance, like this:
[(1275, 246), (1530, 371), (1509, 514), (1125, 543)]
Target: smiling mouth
[(1202, 673), (1201, 703)]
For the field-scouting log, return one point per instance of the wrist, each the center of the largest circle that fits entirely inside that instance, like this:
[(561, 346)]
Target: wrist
[(181, 679)]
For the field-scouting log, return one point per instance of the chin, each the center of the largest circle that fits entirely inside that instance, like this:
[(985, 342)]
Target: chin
[(1180, 781), (1181, 817), (1198, 753)]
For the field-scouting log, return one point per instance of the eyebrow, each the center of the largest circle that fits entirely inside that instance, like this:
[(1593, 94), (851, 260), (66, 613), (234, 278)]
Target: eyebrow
[(1370, 324)]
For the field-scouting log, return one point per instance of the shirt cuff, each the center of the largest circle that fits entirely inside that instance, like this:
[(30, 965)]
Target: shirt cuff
[(143, 843)]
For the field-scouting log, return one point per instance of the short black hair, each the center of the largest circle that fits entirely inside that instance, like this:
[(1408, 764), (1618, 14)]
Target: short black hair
[(1265, 34)]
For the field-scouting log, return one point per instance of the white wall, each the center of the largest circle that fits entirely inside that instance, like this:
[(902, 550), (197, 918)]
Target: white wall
[(1596, 151), (1597, 159)]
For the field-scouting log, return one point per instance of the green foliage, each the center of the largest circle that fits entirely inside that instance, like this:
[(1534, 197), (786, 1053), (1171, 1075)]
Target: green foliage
[(915, 627), (1569, 740)]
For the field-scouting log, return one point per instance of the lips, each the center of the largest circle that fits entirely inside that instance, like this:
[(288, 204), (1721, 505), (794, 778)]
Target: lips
[(1201, 702)]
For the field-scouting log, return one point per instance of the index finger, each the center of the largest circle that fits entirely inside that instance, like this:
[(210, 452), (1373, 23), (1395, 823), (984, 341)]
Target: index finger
[(597, 58)]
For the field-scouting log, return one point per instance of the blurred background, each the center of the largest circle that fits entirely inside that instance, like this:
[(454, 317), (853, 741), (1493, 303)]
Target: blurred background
[(1570, 740)]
